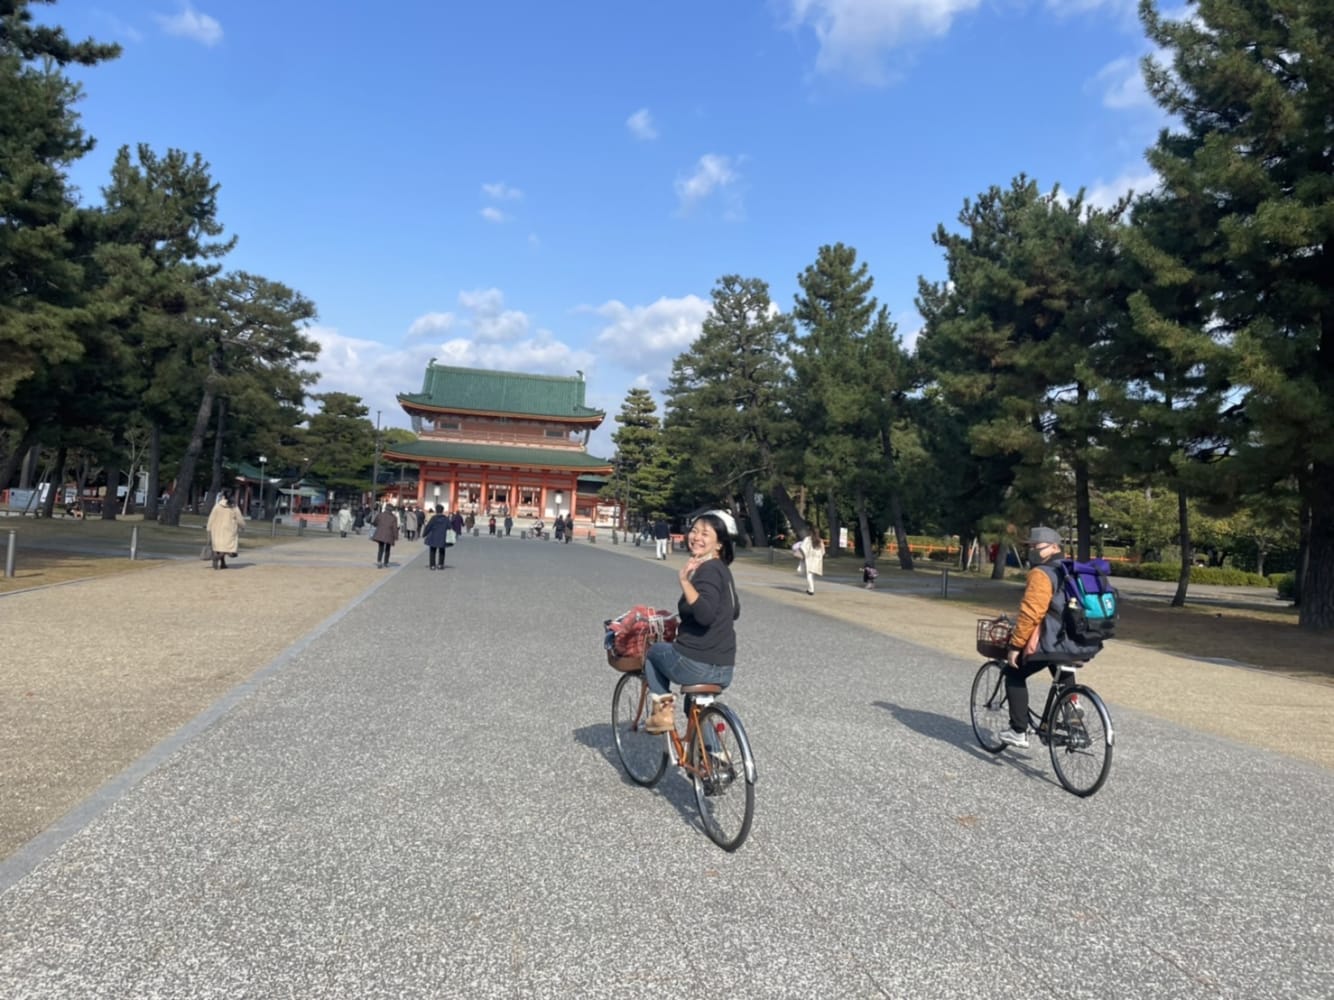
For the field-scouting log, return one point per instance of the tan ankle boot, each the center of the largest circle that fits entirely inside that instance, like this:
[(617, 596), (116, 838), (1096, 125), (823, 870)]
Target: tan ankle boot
[(663, 719)]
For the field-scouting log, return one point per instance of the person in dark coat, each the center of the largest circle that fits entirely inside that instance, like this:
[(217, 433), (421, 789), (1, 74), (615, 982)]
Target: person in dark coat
[(662, 534), (436, 536), (457, 524), (359, 521), (385, 534), (569, 527)]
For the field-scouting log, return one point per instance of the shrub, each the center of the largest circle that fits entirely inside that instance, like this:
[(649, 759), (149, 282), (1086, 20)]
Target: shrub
[(1223, 576), (1286, 584)]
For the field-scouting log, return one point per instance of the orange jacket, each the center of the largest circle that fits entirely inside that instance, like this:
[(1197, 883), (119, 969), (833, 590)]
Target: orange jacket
[(1032, 607)]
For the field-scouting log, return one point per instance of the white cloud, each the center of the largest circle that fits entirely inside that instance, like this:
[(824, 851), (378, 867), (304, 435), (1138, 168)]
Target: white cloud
[(1122, 85), (190, 23), (1105, 195), (653, 332), (501, 191), (855, 35), (432, 324), (369, 369), (712, 173), (489, 319), (641, 125), (492, 214)]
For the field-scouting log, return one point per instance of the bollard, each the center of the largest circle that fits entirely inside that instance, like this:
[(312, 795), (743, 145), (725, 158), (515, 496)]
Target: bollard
[(134, 543), (613, 537), (300, 527), (771, 555), (9, 554), (945, 581), (273, 528)]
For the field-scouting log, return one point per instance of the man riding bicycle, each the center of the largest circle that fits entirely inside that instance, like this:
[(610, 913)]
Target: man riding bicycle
[(1037, 641)]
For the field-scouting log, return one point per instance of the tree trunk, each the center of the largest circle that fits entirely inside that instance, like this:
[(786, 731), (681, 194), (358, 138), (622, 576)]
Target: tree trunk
[(864, 528), (215, 481), (113, 484), (757, 531), (1187, 556), (1303, 549), (1083, 511), (57, 482), (15, 457), (154, 486), (831, 509), (29, 471), (1317, 590), (789, 509), (186, 475), (895, 502)]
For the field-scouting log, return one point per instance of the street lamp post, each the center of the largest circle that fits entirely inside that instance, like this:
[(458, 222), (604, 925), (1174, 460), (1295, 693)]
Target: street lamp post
[(263, 460), (375, 475)]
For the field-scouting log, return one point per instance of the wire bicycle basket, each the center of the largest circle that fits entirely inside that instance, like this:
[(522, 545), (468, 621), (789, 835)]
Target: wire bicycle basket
[(993, 637)]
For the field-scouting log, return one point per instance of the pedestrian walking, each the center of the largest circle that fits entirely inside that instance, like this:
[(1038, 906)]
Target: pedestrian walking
[(344, 522), (509, 524), (491, 526), (810, 550), (436, 535), (662, 535), (384, 535), (225, 525), (569, 527)]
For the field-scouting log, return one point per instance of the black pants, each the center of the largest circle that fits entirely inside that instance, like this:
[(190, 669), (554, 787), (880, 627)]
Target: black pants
[(440, 549), (383, 555), (1016, 689)]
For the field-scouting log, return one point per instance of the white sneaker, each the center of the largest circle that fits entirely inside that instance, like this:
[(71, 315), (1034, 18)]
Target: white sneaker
[(1011, 738)]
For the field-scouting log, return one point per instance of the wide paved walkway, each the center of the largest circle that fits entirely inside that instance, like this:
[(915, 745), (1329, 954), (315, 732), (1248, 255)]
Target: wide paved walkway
[(423, 800)]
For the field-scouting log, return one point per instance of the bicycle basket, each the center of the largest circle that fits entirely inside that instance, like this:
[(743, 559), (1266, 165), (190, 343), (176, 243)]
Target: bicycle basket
[(993, 637), (629, 636)]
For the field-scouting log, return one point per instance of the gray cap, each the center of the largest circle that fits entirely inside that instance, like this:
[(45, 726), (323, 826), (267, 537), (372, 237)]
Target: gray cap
[(1044, 536)]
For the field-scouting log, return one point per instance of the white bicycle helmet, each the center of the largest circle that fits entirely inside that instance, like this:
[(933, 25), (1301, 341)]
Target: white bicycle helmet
[(729, 522)]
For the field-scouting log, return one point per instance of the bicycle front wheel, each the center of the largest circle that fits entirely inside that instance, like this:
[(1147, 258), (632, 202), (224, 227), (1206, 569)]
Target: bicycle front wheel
[(723, 776), (1080, 740), (989, 710), (643, 754)]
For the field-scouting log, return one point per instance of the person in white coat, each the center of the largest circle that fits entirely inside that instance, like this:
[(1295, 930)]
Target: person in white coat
[(810, 550)]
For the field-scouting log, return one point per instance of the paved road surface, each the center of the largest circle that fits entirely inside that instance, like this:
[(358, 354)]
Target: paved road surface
[(423, 801)]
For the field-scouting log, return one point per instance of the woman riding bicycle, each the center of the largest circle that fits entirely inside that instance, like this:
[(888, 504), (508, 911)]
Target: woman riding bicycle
[(705, 648)]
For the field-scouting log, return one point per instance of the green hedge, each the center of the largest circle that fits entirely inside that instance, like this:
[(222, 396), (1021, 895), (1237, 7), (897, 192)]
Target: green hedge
[(1219, 575), (1286, 584)]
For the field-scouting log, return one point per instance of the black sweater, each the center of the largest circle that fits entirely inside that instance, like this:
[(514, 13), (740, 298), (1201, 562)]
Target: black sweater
[(706, 634)]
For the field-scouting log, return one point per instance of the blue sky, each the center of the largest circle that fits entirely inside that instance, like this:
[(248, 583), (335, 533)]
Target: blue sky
[(556, 187)]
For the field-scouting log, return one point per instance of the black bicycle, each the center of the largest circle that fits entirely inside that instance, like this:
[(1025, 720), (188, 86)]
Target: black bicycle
[(1074, 723)]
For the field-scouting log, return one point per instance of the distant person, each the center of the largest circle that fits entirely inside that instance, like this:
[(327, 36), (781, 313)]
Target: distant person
[(456, 522), (509, 525), (537, 529), (662, 535), (810, 550), (491, 526), (384, 535), (225, 525), (359, 521), (436, 535), (569, 527), (344, 521)]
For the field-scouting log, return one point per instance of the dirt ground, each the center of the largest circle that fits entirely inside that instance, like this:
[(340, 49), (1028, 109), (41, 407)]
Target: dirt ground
[(99, 670)]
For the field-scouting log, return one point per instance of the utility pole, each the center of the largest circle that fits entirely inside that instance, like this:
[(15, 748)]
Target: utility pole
[(375, 475)]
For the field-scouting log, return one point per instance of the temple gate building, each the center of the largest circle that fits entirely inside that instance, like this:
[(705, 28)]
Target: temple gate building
[(496, 443)]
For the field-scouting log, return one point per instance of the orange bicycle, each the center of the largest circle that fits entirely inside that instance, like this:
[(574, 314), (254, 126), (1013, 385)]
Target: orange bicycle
[(713, 750)]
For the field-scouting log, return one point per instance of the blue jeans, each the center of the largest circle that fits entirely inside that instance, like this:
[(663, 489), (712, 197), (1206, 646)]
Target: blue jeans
[(664, 666)]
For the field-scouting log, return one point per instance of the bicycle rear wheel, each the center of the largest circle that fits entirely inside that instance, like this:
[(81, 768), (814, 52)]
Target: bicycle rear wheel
[(988, 708), (725, 781), (1080, 738), (643, 755)]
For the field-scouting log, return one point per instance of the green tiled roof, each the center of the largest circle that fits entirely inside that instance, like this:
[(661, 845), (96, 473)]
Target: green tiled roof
[(494, 454), (479, 390)]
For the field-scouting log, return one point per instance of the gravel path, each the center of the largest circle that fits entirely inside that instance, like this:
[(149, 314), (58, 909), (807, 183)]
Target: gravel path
[(421, 798)]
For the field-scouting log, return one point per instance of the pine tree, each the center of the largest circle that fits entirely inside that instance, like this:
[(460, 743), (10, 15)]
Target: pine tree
[(1250, 170), (725, 426), (41, 283)]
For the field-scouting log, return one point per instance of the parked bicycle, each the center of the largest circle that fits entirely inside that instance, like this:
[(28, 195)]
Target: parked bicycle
[(713, 750), (1074, 723)]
